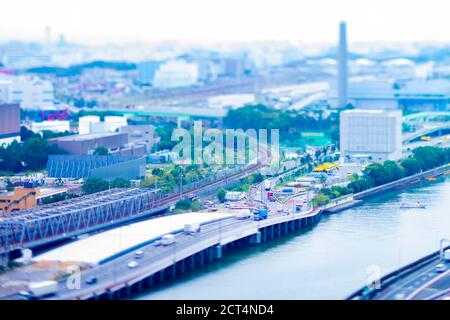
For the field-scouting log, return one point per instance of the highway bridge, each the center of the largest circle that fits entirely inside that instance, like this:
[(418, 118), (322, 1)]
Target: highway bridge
[(115, 279), (437, 128), (62, 220)]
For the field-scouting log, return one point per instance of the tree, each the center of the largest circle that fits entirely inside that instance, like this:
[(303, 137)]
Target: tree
[(377, 174), (120, 183), (221, 193), (320, 199), (393, 170), (157, 172), (183, 204), (101, 151), (411, 166), (93, 185)]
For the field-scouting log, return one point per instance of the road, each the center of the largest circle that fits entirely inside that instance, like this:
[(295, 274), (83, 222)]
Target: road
[(117, 273)]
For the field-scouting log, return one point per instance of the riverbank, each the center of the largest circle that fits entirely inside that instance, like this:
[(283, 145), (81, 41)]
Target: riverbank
[(329, 260), (357, 199)]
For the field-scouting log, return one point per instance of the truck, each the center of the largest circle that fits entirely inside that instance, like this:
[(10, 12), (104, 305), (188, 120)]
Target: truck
[(167, 240), (260, 214), (41, 289), (190, 228), (243, 214), (447, 255), (267, 184)]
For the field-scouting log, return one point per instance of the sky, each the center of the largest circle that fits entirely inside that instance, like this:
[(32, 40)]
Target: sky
[(123, 21)]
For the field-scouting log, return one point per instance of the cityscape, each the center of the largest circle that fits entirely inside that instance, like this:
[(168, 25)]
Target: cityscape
[(223, 164)]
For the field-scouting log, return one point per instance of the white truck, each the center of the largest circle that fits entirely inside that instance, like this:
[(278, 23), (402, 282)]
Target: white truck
[(267, 185), (447, 255), (41, 289), (191, 228), (243, 214), (167, 240)]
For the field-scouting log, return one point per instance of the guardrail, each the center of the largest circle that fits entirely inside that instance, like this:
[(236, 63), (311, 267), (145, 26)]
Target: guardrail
[(392, 277)]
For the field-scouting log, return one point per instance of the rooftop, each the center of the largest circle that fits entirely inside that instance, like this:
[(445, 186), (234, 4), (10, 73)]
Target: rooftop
[(100, 247)]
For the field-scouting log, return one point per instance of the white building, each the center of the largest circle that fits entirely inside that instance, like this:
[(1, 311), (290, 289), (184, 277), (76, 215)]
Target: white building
[(176, 73), (84, 123), (54, 126), (115, 122), (29, 93), (374, 135), (5, 91), (140, 135)]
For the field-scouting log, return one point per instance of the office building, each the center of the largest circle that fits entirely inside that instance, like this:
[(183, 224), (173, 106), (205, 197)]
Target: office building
[(29, 93), (9, 123), (140, 135), (146, 71), (370, 135), (113, 123), (84, 123)]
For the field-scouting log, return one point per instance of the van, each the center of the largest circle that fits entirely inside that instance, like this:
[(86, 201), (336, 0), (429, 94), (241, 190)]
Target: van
[(191, 228), (167, 240)]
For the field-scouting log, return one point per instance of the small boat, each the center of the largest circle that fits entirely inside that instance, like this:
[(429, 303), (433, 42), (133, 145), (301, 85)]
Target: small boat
[(418, 204)]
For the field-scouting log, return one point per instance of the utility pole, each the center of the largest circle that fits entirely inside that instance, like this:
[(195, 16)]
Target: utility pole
[(181, 185)]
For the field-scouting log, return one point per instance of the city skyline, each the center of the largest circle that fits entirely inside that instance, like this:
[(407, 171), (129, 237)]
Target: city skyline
[(206, 21)]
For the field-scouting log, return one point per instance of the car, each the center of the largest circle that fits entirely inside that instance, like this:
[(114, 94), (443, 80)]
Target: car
[(441, 267), (226, 205), (133, 264), (139, 254), (157, 243), (91, 280)]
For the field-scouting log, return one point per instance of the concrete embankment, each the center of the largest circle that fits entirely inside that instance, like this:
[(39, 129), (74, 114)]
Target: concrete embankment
[(356, 199), (402, 183), (342, 206)]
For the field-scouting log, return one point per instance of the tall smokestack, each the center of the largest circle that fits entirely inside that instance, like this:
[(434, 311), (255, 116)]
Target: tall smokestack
[(342, 61)]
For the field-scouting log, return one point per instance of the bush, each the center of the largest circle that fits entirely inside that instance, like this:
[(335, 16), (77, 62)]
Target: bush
[(221, 193)]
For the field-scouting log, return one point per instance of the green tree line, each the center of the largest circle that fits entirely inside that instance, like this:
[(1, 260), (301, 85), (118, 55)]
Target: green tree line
[(376, 174)]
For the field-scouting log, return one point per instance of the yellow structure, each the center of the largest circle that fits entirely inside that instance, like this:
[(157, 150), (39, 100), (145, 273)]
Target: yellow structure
[(326, 167), (21, 198)]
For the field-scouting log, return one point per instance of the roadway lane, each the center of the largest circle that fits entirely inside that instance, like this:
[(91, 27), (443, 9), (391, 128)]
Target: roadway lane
[(116, 273)]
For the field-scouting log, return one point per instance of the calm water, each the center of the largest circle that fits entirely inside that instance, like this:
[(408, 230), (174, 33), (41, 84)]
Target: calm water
[(331, 260)]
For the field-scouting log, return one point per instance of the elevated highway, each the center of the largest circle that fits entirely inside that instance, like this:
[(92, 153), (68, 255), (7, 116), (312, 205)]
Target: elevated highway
[(46, 224), (425, 279), (115, 279)]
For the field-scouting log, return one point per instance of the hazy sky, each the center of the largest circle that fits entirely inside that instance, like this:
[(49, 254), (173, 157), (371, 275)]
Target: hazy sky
[(103, 21)]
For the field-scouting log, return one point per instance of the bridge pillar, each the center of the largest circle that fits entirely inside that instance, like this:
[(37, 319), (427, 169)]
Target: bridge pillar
[(218, 251), (149, 281), (4, 259), (256, 238)]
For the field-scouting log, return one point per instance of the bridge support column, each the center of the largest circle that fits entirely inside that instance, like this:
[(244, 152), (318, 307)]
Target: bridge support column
[(4, 259), (256, 238), (218, 251)]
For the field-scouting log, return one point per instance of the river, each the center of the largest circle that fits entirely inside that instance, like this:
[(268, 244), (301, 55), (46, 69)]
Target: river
[(330, 260)]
